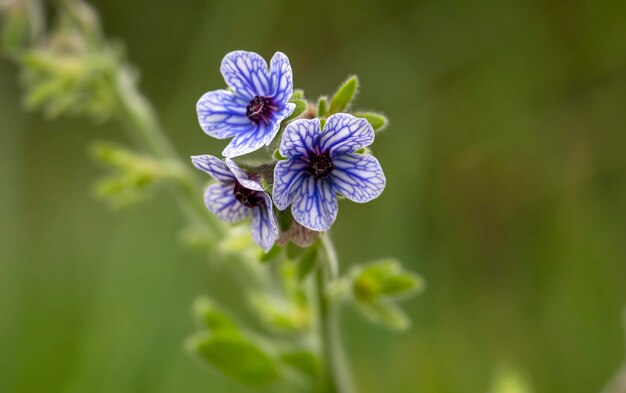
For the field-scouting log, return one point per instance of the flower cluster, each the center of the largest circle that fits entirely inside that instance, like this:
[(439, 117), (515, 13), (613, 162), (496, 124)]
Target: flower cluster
[(319, 158)]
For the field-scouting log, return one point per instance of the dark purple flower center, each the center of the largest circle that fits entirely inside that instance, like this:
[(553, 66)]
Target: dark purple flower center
[(261, 109), (247, 197), (320, 165)]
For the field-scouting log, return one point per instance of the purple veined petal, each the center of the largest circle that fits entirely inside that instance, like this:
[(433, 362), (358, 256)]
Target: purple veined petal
[(247, 74), (248, 142), (221, 201), (222, 114), (345, 133), (357, 177), (300, 137), (214, 167), (287, 176), (314, 204), (264, 225), (281, 78), (242, 177)]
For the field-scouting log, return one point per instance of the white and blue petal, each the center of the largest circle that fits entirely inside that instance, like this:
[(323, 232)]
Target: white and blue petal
[(264, 225), (357, 177), (214, 167), (242, 176), (281, 78), (345, 133), (314, 204), (222, 114), (300, 137), (247, 74), (221, 201), (248, 142), (287, 176)]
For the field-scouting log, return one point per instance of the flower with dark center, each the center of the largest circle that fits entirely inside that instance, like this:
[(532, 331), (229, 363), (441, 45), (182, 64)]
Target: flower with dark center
[(238, 195), (320, 165), (246, 196), (251, 110), (261, 109)]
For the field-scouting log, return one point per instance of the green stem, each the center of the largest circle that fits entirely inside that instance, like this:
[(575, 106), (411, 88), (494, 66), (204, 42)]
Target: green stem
[(337, 375), (139, 118)]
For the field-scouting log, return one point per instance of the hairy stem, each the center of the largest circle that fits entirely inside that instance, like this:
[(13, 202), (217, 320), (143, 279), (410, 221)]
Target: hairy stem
[(336, 372)]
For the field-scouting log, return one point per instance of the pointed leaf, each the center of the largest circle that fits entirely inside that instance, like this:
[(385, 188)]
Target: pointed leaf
[(322, 107), (376, 120), (301, 106), (386, 314), (343, 97)]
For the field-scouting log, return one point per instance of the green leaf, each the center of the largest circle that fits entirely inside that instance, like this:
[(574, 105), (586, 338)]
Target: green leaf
[(376, 120), (386, 314), (301, 106), (212, 317), (342, 98), (298, 94), (281, 314), (304, 361), (322, 107), (385, 279), (402, 284), (307, 262), (236, 356)]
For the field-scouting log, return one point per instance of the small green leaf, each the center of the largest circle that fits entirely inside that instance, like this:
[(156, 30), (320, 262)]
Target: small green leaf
[(322, 107), (307, 262), (344, 95), (298, 94), (236, 356), (376, 120), (402, 284), (387, 314), (211, 317), (304, 361), (301, 106)]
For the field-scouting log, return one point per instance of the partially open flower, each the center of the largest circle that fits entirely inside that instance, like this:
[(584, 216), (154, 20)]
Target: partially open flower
[(237, 196)]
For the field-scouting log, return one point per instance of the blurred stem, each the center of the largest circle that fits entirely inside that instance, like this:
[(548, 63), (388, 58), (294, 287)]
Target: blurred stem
[(140, 120), (337, 375)]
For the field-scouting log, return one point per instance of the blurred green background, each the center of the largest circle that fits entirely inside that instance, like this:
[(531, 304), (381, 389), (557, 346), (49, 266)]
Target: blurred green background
[(506, 190)]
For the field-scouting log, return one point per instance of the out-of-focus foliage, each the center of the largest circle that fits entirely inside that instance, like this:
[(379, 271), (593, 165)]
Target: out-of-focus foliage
[(505, 165)]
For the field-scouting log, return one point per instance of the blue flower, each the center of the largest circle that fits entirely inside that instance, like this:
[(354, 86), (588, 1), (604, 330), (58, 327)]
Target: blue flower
[(321, 164), (237, 196), (250, 112)]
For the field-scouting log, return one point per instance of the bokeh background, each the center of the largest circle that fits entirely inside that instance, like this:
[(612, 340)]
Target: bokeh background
[(506, 170)]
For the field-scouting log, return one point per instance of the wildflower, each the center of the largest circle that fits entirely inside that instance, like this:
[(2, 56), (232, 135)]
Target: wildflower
[(321, 164), (252, 109), (237, 196)]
